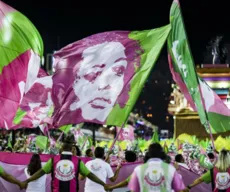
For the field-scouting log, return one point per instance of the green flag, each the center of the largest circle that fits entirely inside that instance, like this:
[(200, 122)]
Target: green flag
[(200, 96), (155, 137), (182, 68), (42, 142)]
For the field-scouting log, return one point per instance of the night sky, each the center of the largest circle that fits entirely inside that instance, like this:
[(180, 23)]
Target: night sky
[(64, 22)]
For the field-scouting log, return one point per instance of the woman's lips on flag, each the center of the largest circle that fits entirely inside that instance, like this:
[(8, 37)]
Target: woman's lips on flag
[(99, 103)]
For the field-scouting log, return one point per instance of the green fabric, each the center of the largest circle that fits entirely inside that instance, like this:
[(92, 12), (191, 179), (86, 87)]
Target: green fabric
[(9, 144), (128, 179), (66, 128), (19, 116), (1, 170), (204, 162), (219, 123), (17, 35), (47, 168), (206, 177), (151, 42), (182, 58), (155, 137), (42, 142), (144, 167)]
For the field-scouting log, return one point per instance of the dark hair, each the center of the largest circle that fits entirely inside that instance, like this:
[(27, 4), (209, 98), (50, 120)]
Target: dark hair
[(78, 151), (67, 146), (146, 157), (35, 164), (87, 152), (130, 156), (99, 152), (156, 151), (8, 149), (68, 143), (167, 159), (179, 158), (211, 156)]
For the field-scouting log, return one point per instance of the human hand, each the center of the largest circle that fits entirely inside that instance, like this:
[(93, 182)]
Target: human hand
[(119, 166), (185, 190), (23, 185), (108, 187)]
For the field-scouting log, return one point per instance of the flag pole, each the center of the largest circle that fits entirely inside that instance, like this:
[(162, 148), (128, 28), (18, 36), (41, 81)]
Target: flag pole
[(117, 136), (211, 136), (84, 143)]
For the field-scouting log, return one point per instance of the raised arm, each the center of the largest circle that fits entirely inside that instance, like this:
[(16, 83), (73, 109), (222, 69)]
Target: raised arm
[(114, 178)]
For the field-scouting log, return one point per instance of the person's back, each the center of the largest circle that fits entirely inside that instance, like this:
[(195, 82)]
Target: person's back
[(65, 172), (101, 169), (221, 173), (39, 184), (155, 175)]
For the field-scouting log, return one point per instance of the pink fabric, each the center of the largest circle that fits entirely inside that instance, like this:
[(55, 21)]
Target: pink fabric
[(177, 183), (55, 182), (4, 10), (134, 183), (18, 172), (10, 93), (215, 171)]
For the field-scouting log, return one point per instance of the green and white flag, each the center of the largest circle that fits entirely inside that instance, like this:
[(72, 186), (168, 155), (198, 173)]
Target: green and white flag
[(201, 97)]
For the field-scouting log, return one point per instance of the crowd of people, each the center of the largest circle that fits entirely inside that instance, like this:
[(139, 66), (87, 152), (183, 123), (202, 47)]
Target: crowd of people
[(158, 171)]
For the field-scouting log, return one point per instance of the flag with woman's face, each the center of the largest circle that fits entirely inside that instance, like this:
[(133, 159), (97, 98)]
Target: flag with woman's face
[(98, 79), (21, 49)]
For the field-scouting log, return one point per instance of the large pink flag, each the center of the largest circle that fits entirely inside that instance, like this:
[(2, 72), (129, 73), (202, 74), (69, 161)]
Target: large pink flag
[(98, 79), (21, 49)]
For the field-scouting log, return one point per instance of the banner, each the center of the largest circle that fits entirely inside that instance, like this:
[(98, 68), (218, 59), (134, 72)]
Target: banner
[(98, 79), (15, 163)]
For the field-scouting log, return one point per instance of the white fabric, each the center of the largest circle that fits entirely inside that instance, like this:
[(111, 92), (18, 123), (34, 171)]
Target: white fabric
[(184, 165), (66, 153), (154, 173), (38, 185), (102, 170)]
